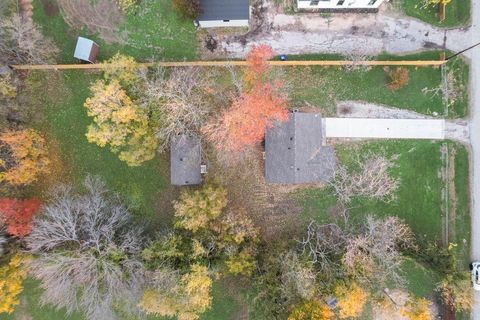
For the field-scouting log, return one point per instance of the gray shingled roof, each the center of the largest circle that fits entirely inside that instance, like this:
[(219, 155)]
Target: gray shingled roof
[(294, 151), (224, 10), (185, 161)]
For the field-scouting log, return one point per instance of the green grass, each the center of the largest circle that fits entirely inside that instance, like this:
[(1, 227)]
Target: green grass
[(419, 200), (224, 304), (323, 87), (457, 13), (462, 216), (420, 280), (153, 32), (419, 197)]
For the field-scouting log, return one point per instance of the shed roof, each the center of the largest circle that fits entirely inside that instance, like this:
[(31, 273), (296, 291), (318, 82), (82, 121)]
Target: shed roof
[(224, 10), (294, 151), (185, 161), (84, 49)]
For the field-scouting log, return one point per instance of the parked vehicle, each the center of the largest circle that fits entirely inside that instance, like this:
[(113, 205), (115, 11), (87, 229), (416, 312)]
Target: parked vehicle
[(475, 267)]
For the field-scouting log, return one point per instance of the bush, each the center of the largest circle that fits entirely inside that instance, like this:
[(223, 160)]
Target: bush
[(189, 9), (127, 6), (398, 78)]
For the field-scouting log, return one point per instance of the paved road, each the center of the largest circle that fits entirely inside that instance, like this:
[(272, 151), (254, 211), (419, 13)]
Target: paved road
[(475, 141)]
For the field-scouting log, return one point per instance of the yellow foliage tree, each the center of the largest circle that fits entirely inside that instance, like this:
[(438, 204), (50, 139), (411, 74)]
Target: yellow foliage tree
[(8, 89), (119, 123), (242, 263), (121, 68), (187, 301), (416, 309), (311, 310), (235, 227), (127, 6), (425, 4), (23, 158), (351, 300), (196, 209), (11, 284)]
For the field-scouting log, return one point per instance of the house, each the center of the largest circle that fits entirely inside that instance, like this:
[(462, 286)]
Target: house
[(86, 50), (185, 161), (340, 5), (295, 153), (224, 13)]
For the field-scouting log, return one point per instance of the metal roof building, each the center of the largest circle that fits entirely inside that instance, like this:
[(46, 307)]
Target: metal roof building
[(294, 152), (86, 50), (185, 161), (224, 13)]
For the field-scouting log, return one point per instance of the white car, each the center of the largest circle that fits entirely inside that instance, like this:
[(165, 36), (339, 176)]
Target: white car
[(475, 267)]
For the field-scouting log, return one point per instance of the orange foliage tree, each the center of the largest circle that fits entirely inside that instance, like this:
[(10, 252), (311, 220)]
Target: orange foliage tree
[(255, 110), (23, 157), (18, 215), (258, 67)]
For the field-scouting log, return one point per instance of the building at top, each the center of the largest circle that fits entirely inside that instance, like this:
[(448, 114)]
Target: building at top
[(224, 13), (339, 5)]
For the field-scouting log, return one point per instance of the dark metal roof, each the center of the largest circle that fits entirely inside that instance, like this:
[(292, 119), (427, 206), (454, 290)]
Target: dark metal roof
[(224, 10), (185, 161), (294, 151)]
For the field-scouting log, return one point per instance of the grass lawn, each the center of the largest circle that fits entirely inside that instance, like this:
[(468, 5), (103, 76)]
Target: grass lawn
[(457, 13), (323, 87), (153, 32), (419, 199), (420, 280), (65, 122)]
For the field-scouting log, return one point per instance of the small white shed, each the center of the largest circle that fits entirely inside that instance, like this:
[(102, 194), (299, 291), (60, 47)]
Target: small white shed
[(86, 50)]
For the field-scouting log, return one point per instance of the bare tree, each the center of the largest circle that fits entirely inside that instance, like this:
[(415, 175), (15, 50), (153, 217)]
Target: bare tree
[(180, 101), (86, 252), (374, 255), (22, 42), (372, 179), (324, 245), (297, 277)]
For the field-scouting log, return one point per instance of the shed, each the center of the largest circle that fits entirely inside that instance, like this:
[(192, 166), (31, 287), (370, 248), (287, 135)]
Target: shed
[(224, 13), (185, 161), (86, 50), (294, 152)]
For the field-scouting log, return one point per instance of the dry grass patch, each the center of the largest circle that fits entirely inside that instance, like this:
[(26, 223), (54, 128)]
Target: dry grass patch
[(102, 17)]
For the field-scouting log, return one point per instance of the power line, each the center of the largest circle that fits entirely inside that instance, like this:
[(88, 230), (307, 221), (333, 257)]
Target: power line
[(460, 52)]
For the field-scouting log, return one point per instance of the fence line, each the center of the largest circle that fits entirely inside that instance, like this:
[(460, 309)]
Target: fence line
[(418, 63)]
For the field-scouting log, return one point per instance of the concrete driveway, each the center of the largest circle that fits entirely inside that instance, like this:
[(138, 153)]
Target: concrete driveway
[(433, 129)]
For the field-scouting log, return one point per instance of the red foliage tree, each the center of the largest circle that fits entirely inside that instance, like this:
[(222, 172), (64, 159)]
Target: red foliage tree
[(249, 116), (255, 110), (18, 215)]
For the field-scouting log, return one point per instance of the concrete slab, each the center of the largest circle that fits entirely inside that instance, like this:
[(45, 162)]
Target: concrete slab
[(385, 128)]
